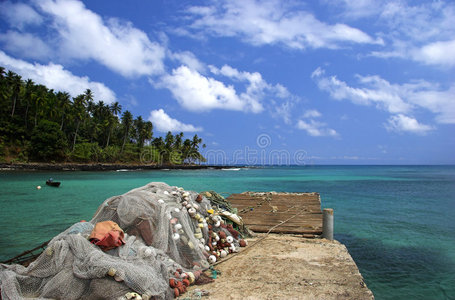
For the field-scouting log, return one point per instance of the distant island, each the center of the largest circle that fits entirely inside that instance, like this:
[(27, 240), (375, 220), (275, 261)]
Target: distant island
[(41, 126)]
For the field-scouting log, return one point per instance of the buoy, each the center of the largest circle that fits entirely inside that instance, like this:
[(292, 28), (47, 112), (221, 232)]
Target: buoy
[(223, 253), (147, 252), (191, 277), (243, 243), (186, 282), (175, 236), (229, 239), (199, 198), (212, 259), (178, 226), (38, 187), (161, 201), (111, 272)]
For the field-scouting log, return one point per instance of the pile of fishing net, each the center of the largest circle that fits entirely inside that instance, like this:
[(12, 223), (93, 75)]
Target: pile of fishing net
[(149, 243)]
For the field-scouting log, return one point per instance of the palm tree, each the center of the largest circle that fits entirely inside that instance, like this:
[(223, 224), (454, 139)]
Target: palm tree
[(29, 87), (115, 108), (64, 103), (127, 121), (15, 82), (39, 98), (79, 106)]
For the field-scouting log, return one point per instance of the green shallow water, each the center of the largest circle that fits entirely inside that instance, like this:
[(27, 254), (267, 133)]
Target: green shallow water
[(398, 222)]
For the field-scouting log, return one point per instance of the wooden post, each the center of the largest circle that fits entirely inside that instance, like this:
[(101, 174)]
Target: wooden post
[(327, 223)]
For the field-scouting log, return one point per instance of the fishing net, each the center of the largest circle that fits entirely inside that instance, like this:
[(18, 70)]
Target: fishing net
[(170, 236)]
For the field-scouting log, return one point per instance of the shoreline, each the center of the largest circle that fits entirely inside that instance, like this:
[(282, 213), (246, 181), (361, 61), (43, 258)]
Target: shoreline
[(102, 167)]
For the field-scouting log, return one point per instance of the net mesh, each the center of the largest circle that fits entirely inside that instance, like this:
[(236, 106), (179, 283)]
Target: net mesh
[(171, 236)]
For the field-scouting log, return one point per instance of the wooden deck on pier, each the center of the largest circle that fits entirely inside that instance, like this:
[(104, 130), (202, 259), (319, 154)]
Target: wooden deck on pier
[(261, 211)]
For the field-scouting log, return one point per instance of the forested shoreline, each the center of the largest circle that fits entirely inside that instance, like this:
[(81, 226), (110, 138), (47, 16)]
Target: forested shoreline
[(38, 124)]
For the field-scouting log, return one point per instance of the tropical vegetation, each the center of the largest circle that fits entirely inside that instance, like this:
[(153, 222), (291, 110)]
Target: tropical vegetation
[(38, 124)]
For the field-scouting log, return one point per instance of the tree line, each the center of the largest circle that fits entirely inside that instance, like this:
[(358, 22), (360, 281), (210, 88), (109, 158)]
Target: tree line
[(39, 124)]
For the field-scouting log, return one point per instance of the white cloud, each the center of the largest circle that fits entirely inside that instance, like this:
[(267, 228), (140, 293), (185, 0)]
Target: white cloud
[(82, 34), (19, 15), (394, 98), (56, 77), (197, 92), (379, 91), (315, 128), (283, 111), (164, 123), (312, 113), (437, 53), (401, 123), (22, 43), (273, 22), (422, 32), (189, 59)]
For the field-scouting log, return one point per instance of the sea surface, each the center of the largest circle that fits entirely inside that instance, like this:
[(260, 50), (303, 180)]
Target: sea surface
[(398, 222)]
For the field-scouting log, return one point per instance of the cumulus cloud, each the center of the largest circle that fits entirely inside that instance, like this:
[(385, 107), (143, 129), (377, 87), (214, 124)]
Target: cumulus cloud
[(401, 123), (197, 92), (22, 43), (163, 122), (394, 98), (74, 32), (188, 59), (19, 15), (422, 32), (115, 44), (315, 128), (55, 77), (273, 22), (437, 53), (312, 113)]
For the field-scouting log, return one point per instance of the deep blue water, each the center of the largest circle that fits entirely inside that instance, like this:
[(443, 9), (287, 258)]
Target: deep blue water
[(398, 222)]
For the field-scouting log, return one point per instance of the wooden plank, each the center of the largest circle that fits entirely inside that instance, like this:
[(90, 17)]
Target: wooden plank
[(296, 230), (262, 211)]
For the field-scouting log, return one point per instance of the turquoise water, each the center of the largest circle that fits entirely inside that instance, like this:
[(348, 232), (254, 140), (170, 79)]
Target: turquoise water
[(398, 222)]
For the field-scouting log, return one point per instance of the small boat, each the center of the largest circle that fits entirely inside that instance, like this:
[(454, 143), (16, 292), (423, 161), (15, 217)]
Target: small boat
[(51, 182)]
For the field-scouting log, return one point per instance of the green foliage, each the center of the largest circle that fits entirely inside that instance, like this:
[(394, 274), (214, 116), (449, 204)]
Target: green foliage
[(86, 152), (52, 126), (48, 142)]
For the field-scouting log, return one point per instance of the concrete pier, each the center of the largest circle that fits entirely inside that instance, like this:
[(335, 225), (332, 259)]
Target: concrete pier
[(284, 266)]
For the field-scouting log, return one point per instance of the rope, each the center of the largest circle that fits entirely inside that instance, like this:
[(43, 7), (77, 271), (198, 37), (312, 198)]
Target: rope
[(259, 240)]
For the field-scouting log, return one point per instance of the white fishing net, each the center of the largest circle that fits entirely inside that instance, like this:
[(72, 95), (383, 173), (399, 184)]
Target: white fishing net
[(171, 235)]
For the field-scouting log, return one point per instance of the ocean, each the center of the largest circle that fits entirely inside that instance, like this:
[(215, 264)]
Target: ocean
[(398, 222)]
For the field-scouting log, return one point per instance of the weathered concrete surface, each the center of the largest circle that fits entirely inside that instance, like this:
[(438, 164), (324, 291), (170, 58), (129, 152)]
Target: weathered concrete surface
[(288, 267)]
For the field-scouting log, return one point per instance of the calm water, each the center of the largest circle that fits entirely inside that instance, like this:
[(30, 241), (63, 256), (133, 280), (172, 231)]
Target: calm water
[(398, 222)]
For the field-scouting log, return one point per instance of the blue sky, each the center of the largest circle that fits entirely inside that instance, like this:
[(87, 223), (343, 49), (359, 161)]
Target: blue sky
[(315, 82)]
